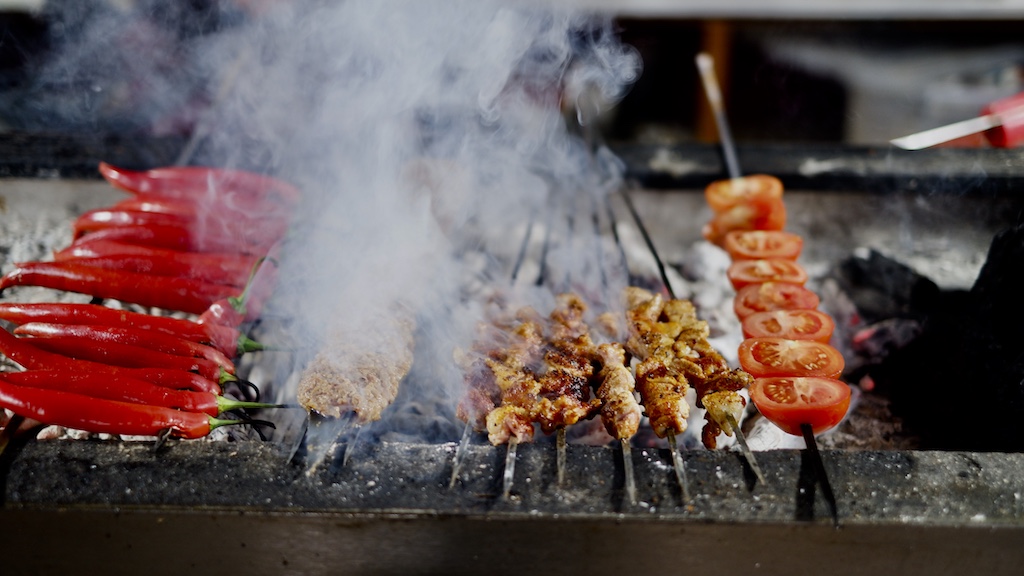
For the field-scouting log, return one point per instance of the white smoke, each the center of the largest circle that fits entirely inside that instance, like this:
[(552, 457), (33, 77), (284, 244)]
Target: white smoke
[(425, 135)]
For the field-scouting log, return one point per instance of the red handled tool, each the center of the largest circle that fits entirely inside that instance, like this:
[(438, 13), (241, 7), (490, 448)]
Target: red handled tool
[(1002, 122)]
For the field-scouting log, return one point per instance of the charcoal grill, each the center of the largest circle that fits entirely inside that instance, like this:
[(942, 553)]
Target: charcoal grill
[(114, 507)]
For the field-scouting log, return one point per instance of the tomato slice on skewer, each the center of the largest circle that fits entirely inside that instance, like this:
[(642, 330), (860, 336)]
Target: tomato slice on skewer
[(722, 195), (773, 296), (791, 324), (789, 402), (756, 244), (770, 356), (758, 214), (746, 272)]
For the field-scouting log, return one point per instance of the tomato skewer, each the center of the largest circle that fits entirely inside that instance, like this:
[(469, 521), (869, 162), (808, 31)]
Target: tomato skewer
[(181, 294), (790, 402), (770, 356), (128, 389), (746, 272), (224, 338), (755, 244), (101, 416), (791, 324)]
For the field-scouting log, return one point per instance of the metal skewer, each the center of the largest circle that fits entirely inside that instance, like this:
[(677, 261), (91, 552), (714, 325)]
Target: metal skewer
[(510, 468), (560, 455), (460, 453), (677, 460), (467, 431), (679, 467), (741, 439), (706, 66), (627, 468), (629, 483)]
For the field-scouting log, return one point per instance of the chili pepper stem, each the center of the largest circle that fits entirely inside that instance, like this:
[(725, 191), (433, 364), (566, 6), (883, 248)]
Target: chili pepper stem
[(246, 344), (218, 422), (225, 404)]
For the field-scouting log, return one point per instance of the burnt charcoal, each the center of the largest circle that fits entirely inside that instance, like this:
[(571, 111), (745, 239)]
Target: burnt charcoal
[(999, 284), (960, 384), (884, 288)]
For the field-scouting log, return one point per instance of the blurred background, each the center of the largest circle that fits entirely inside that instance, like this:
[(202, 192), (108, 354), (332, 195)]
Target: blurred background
[(841, 71)]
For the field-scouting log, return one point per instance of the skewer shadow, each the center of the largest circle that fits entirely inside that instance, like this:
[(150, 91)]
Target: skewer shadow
[(806, 488), (749, 476)]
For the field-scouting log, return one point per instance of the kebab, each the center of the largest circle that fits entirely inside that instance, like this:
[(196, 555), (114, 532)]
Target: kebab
[(799, 400), (347, 376)]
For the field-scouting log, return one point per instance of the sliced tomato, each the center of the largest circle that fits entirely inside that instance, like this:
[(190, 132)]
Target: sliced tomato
[(773, 296), (757, 214), (745, 272), (792, 324), (757, 244), (770, 356), (722, 195), (789, 402)]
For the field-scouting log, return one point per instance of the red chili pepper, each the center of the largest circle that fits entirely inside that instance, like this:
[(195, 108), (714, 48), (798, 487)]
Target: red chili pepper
[(181, 294), (128, 356), (24, 353), (127, 335), (225, 208), (246, 230), (105, 416), (235, 310), (197, 181), (127, 389), (168, 377), (177, 237), (216, 268), (224, 338)]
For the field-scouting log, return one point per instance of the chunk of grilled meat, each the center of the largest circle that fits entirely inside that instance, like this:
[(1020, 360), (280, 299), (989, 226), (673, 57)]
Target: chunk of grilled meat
[(565, 384), (348, 375), (662, 385), (511, 344), (620, 411), (517, 384), (541, 373)]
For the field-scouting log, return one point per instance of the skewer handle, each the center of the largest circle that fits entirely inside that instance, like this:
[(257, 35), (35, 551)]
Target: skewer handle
[(706, 66), (819, 468)]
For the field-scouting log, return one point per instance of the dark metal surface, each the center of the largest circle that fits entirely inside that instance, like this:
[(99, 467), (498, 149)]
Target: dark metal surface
[(682, 166), (390, 510), (829, 167), (25, 155)]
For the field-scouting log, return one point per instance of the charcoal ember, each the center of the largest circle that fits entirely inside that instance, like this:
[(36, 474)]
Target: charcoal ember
[(883, 288), (960, 384), (890, 302)]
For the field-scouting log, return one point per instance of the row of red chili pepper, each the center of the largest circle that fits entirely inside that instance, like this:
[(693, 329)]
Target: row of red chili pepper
[(196, 240)]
